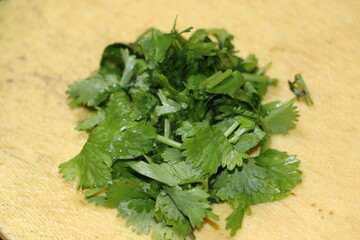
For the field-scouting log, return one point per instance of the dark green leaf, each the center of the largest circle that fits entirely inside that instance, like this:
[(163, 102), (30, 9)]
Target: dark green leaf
[(125, 190), (205, 149)]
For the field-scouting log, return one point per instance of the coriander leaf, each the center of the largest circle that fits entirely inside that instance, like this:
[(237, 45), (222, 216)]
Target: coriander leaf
[(249, 95), (93, 90), (160, 172), (111, 59), (139, 213), (233, 158), (120, 169), (119, 136), (188, 130), (120, 105), (223, 37), (171, 155), (216, 149), (142, 82), (123, 138), (167, 207), (235, 219), (185, 172), (194, 88), (200, 35), (175, 125), (205, 149), (250, 63), (283, 175), (165, 232), (281, 117), (250, 140), (125, 189), (192, 203), (90, 166), (170, 174), (155, 45), (195, 49), (91, 122), (200, 44), (144, 102), (182, 229), (246, 179), (268, 177)]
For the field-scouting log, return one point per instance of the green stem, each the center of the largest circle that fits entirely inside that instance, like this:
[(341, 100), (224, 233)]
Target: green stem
[(148, 159), (237, 134), (130, 63), (168, 141), (204, 182), (215, 79), (232, 128), (263, 69), (259, 78), (167, 128), (162, 97), (266, 142)]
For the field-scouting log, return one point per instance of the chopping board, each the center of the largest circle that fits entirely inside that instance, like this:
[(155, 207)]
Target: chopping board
[(46, 44)]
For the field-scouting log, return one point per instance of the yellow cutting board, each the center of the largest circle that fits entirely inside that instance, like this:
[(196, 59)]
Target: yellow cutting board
[(46, 44)]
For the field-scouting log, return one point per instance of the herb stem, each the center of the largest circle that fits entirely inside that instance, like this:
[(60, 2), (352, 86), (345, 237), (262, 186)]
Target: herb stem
[(237, 134), (215, 79), (148, 159), (232, 128), (204, 182), (168, 141), (259, 78), (162, 97), (167, 128), (130, 63)]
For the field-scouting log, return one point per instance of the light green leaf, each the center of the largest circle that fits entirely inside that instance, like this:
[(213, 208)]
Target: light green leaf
[(281, 117), (93, 90), (90, 166), (139, 214), (192, 203), (155, 45)]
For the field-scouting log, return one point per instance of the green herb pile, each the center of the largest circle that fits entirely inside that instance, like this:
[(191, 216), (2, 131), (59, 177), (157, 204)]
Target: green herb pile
[(178, 125)]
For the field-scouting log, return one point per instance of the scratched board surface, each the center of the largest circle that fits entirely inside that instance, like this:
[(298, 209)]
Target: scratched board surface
[(45, 45)]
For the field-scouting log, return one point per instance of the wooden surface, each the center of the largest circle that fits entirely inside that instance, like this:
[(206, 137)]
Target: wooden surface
[(46, 44)]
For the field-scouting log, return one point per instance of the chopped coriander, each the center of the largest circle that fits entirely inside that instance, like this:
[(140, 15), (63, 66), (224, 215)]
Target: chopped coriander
[(174, 129), (299, 88)]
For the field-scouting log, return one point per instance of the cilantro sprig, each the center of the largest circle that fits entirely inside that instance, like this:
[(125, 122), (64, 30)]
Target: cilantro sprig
[(176, 126)]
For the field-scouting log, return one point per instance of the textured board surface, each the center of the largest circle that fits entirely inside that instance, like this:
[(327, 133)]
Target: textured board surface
[(46, 44)]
